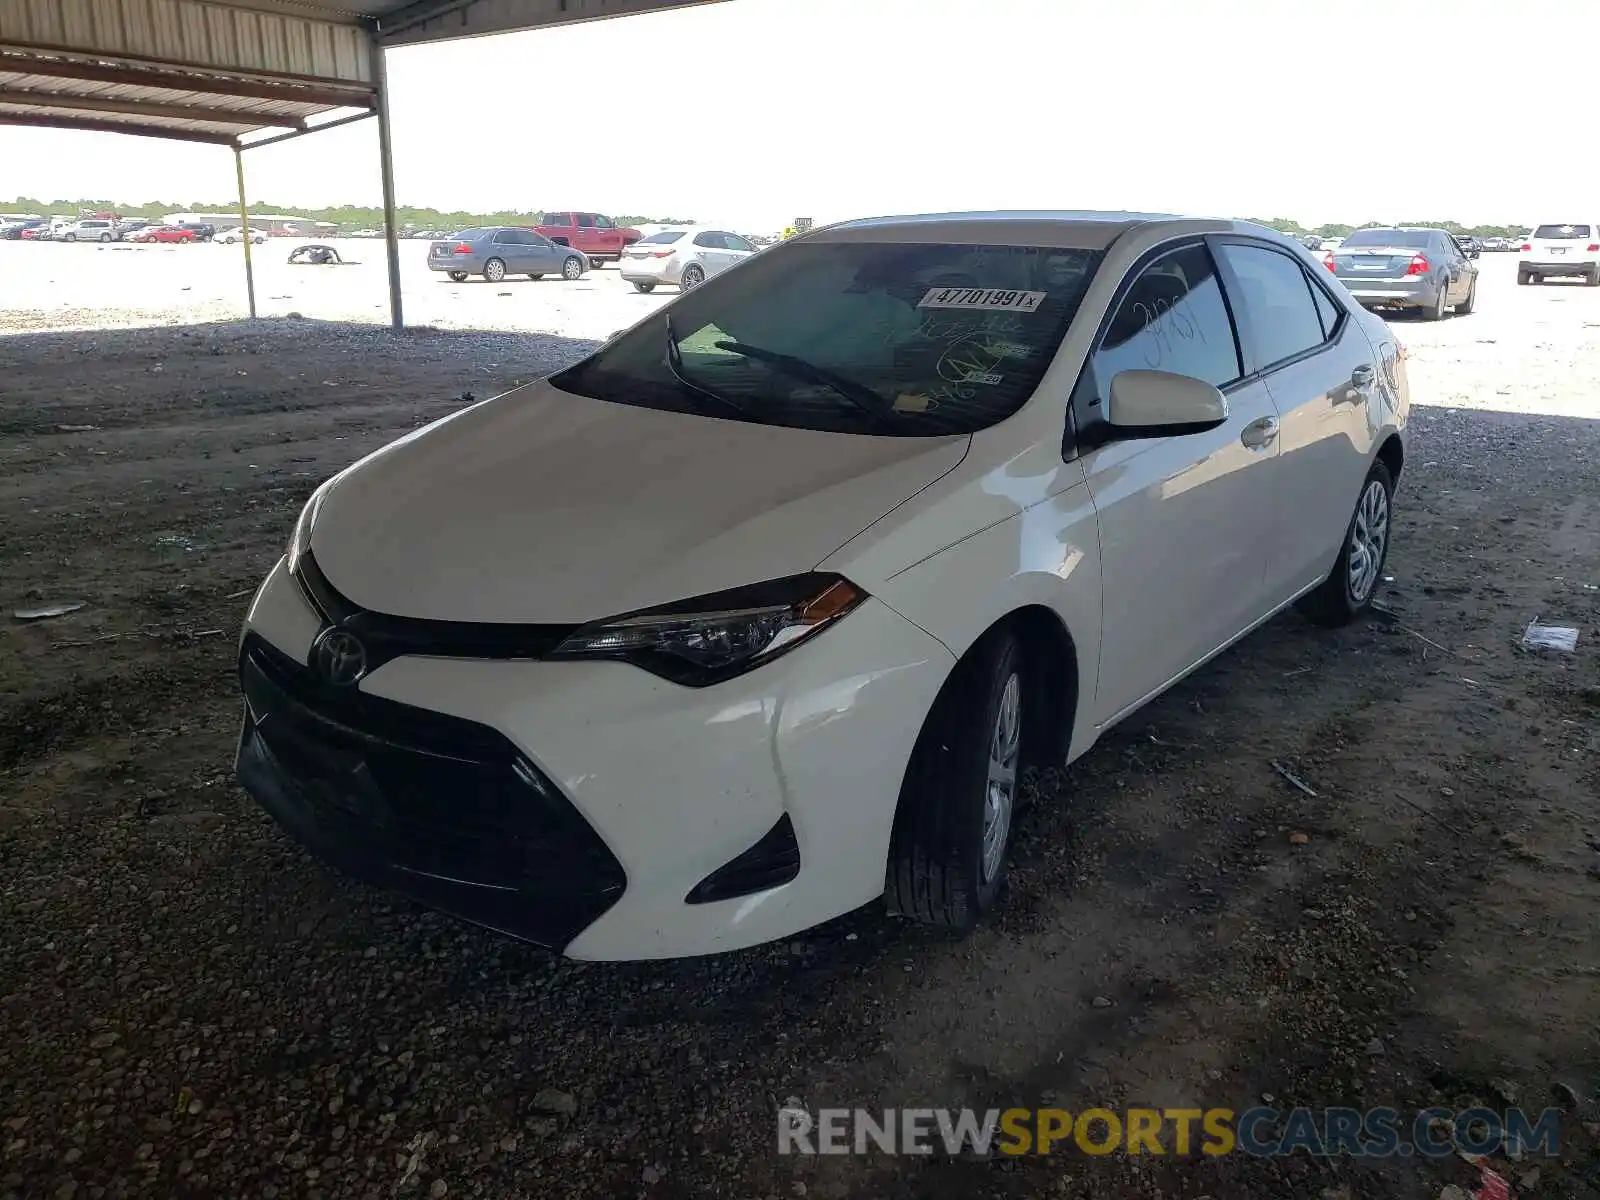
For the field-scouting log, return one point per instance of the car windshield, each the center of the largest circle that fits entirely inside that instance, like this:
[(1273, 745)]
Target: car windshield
[(909, 339), (1409, 239), (663, 237), (1561, 233)]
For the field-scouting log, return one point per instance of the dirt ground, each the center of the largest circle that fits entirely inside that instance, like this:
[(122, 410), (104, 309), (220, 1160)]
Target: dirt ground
[(191, 1007)]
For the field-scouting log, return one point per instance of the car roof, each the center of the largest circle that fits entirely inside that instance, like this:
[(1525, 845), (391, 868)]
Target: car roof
[(1075, 228)]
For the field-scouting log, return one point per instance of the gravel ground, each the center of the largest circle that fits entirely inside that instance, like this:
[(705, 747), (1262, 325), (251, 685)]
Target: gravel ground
[(191, 1007)]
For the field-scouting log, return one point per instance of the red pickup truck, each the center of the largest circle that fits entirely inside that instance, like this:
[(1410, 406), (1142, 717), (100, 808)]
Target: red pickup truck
[(598, 236)]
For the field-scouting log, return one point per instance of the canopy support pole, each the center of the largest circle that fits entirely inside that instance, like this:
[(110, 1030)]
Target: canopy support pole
[(391, 234), (244, 230)]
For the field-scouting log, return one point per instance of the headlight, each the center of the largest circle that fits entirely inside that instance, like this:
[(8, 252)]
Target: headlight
[(711, 638), (300, 539)]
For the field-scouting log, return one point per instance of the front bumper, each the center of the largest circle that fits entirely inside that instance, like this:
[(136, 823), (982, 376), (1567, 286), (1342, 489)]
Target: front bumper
[(673, 783)]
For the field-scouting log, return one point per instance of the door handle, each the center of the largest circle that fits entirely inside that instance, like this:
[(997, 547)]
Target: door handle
[(1259, 433)]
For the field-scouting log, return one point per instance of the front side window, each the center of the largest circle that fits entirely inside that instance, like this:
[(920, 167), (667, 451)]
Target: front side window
[(585, 221), (1276, 293), (735, 242), (904, 339), (1173, 318), (603, 222)]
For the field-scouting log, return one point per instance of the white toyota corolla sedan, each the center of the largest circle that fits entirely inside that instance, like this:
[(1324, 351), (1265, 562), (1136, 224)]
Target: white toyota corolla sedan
[(754, 615)]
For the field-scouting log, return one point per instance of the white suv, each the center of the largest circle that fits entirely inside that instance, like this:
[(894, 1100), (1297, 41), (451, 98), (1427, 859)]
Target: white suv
[(88, 231), (1561, 251), (756, 614)]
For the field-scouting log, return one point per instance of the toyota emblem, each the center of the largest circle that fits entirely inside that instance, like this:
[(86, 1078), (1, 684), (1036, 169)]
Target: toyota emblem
[(340, 657)]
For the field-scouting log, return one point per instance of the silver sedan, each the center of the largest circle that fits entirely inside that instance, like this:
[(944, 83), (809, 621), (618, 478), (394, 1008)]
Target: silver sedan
[(1425, 270), (498, 251), (684, 257)]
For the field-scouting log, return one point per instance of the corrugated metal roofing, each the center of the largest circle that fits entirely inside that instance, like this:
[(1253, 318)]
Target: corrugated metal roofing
[(220, 70)]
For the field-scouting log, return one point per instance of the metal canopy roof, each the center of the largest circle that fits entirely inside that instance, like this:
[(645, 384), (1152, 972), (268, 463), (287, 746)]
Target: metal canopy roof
[(221, 70)]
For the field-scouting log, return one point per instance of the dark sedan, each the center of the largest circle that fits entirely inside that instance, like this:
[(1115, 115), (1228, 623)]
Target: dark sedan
[(1424, 270), (498, 251)]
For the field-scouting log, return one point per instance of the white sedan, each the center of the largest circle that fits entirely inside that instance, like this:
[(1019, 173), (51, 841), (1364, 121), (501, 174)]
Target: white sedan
[(684, 257), (755, 614)]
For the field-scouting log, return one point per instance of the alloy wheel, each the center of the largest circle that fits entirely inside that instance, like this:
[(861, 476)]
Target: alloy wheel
[(572, 268), (1369, 535), (1000, 789), (494, 270)]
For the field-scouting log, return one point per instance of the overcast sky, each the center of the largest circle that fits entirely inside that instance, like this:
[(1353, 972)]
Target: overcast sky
[(752, 112)]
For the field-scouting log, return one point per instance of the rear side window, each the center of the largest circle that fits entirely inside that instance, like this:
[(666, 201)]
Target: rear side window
[(662, 239), (1277, 295), (1327, 311), (1562, 233), (1174, 319)]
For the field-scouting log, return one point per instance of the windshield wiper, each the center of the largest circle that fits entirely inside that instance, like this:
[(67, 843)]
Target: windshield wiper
[(858, 394), (675, 365)]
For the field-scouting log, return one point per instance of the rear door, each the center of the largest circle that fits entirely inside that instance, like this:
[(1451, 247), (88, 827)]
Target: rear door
[(1184, 520), (1321, 372)]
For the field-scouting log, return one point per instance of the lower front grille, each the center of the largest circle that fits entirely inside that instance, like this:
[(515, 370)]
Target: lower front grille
[(401, 794)]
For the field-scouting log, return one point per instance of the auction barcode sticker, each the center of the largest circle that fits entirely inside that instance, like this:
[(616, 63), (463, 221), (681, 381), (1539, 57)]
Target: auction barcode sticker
[(1000, 299)]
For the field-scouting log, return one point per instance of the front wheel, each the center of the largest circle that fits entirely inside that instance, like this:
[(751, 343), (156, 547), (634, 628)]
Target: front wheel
[(572, 268), (644, 285), (1348, 590), (693, 277), (954, 821)]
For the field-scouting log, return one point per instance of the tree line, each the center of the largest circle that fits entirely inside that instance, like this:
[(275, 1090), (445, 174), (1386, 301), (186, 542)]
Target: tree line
[(1335, 230), (351, 216)]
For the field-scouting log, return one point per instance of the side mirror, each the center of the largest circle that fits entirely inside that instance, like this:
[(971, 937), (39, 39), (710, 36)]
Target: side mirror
[(1158, 403)]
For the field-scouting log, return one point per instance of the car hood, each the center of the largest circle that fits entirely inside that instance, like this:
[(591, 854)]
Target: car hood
[(541, 506)]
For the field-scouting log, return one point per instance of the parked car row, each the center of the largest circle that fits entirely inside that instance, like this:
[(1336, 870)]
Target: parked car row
[(104, 229)]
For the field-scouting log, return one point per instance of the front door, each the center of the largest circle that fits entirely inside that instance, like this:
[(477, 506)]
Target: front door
[(1183, 518)]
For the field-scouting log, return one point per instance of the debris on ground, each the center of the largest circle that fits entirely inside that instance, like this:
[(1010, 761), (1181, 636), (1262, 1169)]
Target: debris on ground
[(1292, 778), (1550, 637), (1299, 839), (45, 611)]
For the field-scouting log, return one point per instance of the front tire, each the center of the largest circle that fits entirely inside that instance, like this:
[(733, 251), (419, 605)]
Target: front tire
[(494, 270), (1348, 590), (572, 268), (957, 805)]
